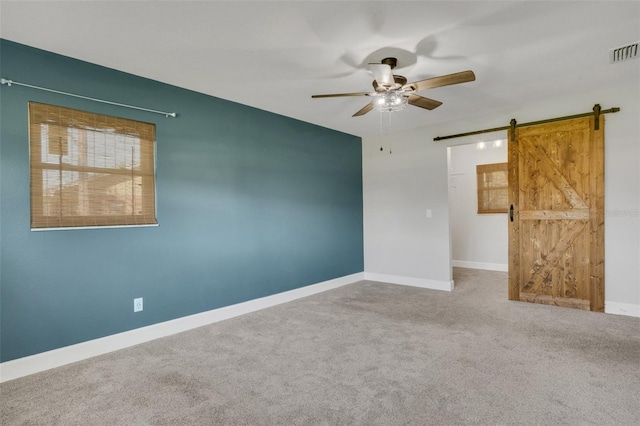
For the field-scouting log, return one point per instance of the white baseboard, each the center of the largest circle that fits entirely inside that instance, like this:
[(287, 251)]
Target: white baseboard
[(480, 265), (617, 308), (58, 357), (414, 282)]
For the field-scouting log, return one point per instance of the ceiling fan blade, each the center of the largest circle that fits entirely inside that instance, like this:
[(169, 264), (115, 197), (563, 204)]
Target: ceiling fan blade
[(443, 80), (383, 75), (368, 107), (422, 102), (336, 95)]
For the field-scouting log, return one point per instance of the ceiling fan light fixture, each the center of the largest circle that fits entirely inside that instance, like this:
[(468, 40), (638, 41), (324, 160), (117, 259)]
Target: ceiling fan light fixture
[(390, 101)]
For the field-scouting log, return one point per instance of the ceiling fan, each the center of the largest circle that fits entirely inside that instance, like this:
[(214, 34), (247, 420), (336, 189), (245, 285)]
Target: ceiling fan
[(393, 93)]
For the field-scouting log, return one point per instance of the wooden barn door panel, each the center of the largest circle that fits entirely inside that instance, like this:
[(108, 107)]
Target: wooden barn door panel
[(556, 232)]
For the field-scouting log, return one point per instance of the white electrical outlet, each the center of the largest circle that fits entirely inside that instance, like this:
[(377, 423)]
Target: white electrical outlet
[(429, 213), (137, 304)]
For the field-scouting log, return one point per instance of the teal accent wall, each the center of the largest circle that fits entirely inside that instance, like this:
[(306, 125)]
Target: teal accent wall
[(250, 204)]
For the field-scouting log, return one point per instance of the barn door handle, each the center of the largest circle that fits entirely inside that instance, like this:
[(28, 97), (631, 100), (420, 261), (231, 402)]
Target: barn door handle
[(511, 213)]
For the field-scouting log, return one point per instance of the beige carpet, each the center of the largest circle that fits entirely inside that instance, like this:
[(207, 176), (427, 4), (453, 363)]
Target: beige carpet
[(364, 354)]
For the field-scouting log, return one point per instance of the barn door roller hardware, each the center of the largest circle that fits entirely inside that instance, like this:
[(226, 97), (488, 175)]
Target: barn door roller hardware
[(597, 111), (596, 116)]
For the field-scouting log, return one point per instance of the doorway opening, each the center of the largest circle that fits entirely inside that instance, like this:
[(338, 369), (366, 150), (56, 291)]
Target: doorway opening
[(477, 240)]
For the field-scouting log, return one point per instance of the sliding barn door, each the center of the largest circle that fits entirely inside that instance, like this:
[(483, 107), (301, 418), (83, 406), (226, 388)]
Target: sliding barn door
[(556, 228)]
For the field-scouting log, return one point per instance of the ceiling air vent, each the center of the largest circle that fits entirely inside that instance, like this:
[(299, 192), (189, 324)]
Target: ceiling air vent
[(624, 53)]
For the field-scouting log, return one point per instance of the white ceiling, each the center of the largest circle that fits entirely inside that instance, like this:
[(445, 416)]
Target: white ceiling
[(275, 55)]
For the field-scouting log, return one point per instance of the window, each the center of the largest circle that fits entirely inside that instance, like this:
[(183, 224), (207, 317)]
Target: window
[(90, 169), (492, 188)]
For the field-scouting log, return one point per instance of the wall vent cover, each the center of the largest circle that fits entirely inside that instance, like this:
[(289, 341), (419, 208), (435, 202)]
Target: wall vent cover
[(624, 53)]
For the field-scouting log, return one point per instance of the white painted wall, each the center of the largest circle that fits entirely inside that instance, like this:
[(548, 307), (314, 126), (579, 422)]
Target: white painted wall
[(477, 240), (398, 188)]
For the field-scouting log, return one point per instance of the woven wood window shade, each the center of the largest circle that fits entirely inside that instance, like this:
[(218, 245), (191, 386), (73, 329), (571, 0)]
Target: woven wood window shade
[(492, 188), (90, 169)]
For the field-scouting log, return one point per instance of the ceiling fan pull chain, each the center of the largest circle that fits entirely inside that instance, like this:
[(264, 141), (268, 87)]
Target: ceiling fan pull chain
[(381, 149), (389, 128)]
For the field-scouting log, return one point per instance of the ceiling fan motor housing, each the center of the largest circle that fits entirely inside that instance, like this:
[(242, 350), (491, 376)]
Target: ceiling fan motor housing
[(398, 80)]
